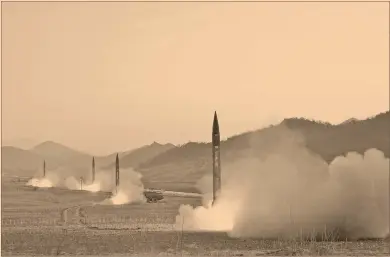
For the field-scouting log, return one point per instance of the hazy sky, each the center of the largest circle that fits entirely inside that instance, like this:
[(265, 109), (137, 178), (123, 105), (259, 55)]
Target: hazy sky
[(102, 77)]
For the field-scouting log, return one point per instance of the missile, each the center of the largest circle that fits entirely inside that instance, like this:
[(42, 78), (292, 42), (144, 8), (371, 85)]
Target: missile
[(81, 183), (216, 158), (117, 172), (44, 169), (93, 170)]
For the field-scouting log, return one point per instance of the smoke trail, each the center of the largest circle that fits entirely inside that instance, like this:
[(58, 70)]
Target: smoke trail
[(51, 180), (130, 189), (58, 177), (292, 191), (103, 182), (39, 182)]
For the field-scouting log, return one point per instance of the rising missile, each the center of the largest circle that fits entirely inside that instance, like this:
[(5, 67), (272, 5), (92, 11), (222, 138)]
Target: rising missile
[(117, 173), (216, 158), (44, 169), (81, 183), (93, 170)]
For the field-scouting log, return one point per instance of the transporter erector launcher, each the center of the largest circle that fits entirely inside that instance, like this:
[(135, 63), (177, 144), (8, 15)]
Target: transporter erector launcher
[(216, 158)]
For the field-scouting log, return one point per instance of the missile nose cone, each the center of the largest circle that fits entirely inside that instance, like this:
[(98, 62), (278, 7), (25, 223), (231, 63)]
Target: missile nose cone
[(215, 124)]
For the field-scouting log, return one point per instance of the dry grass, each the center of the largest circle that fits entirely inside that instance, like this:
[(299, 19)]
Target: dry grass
[(135, 230), (74, 241)]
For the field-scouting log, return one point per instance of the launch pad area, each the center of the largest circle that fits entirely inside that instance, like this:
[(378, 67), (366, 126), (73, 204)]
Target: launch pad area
[(65, 222)]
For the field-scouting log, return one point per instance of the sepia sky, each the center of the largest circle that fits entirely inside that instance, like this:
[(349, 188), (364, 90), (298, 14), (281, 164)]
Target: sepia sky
[(104, 77)]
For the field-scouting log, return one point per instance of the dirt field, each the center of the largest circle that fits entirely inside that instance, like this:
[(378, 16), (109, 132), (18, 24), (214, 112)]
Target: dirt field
[(62, 222)]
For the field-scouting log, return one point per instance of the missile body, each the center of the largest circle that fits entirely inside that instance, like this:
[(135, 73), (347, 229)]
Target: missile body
[(117, 172), (93, 170), (44, 169), (81, 183), (216, 158)]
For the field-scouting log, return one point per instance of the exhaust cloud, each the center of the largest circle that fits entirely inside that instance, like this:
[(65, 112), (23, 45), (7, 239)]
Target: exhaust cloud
[(294, 192)]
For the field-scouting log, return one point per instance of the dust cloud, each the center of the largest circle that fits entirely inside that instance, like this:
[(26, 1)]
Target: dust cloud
[(291, 192), (130, 189), (51, 180), (39, 182)]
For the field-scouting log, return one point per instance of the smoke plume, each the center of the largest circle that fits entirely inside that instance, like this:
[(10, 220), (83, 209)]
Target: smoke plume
[(130, 188), (51, 180), (39, 182), (291, 192)]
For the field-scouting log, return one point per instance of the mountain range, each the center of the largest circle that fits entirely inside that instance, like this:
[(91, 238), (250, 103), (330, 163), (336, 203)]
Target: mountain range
[(20, 162), (179, 167)]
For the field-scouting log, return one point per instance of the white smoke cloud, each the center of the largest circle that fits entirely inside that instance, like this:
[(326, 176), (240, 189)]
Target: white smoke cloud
[(39, 182), (51, 180), (130, 189), (293, 192)]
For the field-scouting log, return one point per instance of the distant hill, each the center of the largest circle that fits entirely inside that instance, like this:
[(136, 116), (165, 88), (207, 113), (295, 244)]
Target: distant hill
[(351, 120), (60, 158), (58, 152), (53, 149), (104, 162), (179, 168), (71, 161), (19, 162), (136, 157), (183, 166)]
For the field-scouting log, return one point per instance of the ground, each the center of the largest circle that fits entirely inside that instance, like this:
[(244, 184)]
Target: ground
[(63, 222)]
